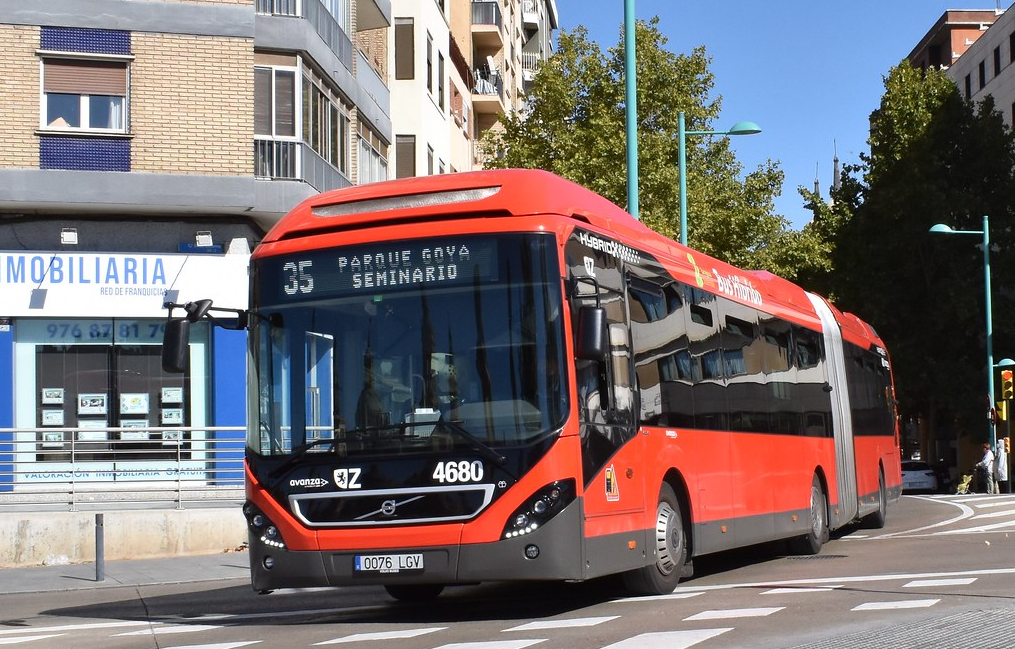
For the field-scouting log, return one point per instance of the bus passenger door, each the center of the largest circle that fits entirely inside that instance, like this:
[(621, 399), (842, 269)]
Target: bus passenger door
[(611, 461)]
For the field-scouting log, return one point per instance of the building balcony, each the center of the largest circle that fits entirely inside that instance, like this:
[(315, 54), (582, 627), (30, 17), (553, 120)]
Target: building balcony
[(487, 25), (292, 160), (488, 93)]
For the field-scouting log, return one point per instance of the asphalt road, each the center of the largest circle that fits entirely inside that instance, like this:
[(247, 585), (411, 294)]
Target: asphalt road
[(936, 577)]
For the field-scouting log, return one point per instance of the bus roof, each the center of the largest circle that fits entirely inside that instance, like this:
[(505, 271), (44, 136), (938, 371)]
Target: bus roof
[(526, 192)]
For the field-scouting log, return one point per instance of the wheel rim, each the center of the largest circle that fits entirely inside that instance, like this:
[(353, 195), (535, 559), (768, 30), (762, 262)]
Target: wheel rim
[(669, 538), (817, 512)]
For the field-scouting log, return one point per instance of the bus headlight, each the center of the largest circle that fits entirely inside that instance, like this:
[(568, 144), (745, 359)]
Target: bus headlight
[(539, 508), (261, 527)]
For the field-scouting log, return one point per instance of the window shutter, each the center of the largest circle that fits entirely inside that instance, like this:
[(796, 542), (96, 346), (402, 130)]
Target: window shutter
[(285, 100), (405, 156), (262, 101), (81, 77), (404, 48)]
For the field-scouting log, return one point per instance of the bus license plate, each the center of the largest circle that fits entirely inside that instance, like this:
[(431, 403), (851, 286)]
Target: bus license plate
[(389, 563)]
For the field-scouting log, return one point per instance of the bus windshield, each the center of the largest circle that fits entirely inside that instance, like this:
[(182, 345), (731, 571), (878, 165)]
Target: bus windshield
[(407, 347)]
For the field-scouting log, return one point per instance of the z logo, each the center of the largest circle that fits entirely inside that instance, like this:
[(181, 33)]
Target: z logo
[(590, 266), (348, 478)]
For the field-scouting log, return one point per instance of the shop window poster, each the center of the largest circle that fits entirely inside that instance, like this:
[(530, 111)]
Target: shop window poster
[(91, 403), (172, 416), (94, 435), (134, 435), (52, 418), (134, 403), (52, 396), (172, 395), (52, 439)]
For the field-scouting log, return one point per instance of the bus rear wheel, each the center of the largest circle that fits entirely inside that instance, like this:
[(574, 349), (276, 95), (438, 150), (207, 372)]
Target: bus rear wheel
[(414, 592), (811, 542), (662, 575)]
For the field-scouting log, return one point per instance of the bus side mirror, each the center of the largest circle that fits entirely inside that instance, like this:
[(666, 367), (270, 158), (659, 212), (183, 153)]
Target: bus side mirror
[(592, 342), (175, 345)]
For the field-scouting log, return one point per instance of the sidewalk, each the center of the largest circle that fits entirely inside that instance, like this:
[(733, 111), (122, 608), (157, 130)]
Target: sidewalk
[(137, 572)]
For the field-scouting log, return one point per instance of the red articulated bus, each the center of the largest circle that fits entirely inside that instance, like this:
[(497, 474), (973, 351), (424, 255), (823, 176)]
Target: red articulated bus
[(501, 375)]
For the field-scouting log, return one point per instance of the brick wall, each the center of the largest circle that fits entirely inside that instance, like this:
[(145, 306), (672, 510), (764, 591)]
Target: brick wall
[(19, 83), (192, 104)]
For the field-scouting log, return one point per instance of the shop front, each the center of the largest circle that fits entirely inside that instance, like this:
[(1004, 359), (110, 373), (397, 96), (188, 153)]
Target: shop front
[(83, 397)]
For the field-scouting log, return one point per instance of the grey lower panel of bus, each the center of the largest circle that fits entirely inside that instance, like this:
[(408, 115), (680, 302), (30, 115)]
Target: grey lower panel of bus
[(560, 558)]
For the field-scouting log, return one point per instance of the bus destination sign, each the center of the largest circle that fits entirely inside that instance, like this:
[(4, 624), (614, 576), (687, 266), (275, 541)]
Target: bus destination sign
[(373, 268)]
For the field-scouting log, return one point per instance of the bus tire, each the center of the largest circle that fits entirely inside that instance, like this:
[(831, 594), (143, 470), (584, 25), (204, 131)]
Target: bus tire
[(876, 519), (414, 592), (811, 542), (670, 550)]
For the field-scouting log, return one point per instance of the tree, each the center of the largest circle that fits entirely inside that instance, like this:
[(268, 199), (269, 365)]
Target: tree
[(574, 126), (935, 158)]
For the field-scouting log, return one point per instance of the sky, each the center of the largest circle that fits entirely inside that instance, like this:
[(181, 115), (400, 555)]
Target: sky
[(808, 72)]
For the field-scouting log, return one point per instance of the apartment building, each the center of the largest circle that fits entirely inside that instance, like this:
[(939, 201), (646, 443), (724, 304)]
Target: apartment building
[(149, 145), (457, 65)]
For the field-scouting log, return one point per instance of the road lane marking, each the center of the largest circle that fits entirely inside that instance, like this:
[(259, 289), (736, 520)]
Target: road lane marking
[(172, 628), (808, 589), (26, 638), (650, 598), (76, 627), (383, 635), (734, 613), (493, 644), (923, 583), (858, 579), (887, 606), (562, 624), (667, 639)]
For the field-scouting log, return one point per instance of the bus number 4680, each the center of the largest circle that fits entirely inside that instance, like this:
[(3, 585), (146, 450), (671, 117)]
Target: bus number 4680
[(460, 471)]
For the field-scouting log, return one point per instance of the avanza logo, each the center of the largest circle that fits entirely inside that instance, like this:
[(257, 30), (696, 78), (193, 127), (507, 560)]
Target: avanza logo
[(312, 483)]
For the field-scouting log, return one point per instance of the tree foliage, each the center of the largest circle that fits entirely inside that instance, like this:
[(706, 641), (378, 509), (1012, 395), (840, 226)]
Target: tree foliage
[(574, 126), (934, 158)]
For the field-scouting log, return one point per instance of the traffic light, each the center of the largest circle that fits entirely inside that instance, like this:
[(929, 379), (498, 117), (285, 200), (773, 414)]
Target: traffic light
[(1007, 384), (1007, 445), (1001, 411)]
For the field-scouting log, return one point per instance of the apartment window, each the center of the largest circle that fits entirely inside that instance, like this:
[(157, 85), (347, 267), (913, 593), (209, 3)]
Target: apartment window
[(340, 10), (440, 81), (405, 156), (404, 48), (1011, 47), (326, 122), (429, 63), (84, 95), (982, 70), (968, 87), (274, 102), (373, 156), (997, 60), (429, 160)]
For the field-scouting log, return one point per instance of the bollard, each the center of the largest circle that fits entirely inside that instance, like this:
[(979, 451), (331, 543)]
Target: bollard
[(100, 550)]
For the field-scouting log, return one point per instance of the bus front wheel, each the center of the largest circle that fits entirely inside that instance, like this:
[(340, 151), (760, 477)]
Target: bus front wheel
[(661, 576)]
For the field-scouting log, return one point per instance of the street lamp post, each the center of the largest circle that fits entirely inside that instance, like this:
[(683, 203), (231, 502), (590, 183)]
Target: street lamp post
[(941, 228), (631, 108), (740, 128)]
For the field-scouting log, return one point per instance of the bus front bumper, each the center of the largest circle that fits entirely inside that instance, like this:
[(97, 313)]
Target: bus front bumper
[(552, 552)]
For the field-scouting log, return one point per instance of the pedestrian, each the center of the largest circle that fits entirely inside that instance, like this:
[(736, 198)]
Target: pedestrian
[(985, 471), (1001, 467)]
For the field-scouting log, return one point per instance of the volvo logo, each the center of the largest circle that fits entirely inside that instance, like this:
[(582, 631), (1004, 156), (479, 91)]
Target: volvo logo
[(388, 507)]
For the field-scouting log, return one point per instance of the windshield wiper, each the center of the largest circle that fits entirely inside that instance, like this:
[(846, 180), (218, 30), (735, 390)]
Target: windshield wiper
[(473, 441), (300, 451)]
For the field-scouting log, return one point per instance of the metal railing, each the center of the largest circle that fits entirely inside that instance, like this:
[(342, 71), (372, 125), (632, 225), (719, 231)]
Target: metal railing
[(277, 159), (486, 12), (54, 469)]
